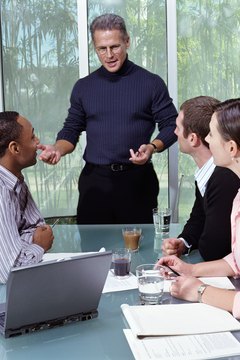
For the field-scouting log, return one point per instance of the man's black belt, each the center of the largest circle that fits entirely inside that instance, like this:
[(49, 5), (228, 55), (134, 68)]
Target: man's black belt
[(114, 167)]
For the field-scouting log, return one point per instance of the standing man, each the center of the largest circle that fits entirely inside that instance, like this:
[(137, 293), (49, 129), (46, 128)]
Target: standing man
[(24, 236), (208, 229), (118, 106)]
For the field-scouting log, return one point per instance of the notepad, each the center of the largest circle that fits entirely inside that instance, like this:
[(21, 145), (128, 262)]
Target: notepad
[(178, 319)]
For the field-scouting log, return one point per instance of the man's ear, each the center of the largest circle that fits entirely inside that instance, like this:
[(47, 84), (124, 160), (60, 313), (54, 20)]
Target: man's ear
[(13, 147), (194, 139), (128, 42)]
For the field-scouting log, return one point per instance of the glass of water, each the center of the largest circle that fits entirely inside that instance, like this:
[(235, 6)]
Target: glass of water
[(150, 283), (162, 220)]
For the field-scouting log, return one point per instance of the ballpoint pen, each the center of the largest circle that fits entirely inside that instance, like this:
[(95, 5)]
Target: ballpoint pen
[(173, 271), (55, 222)]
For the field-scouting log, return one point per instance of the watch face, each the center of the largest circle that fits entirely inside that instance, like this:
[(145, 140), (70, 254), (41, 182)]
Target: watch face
[(202, 288), (201, 291)]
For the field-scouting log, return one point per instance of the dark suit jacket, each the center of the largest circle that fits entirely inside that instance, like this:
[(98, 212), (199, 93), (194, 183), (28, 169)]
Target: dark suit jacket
[(209, 228)]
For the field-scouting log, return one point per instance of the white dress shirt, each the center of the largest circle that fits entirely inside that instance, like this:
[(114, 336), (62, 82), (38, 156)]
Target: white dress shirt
[(203, 174)]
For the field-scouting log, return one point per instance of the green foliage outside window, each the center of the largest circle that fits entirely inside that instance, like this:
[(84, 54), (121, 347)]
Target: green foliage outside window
[(40, 67)]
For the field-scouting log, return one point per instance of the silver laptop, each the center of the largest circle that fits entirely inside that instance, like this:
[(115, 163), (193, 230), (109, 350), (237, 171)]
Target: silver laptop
[(53, 293)]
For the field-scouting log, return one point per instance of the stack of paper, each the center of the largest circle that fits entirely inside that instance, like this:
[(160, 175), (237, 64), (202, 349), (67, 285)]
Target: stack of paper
[(183, 347), (180, 331)]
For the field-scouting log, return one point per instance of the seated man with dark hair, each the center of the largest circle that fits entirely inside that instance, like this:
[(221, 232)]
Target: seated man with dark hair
[(24, 236), (208, 228)]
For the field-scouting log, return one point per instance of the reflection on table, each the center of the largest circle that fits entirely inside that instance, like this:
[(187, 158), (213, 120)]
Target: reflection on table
[(77, 238), (100, 338)]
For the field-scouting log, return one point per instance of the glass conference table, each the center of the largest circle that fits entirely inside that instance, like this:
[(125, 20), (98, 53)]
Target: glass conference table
[(103, 337)]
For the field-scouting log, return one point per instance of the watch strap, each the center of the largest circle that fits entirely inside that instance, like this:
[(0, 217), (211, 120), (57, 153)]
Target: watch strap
[(154, 146), (200, 291)]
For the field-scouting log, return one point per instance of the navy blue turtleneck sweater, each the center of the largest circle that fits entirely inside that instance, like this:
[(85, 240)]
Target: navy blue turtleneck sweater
[(119, 111)]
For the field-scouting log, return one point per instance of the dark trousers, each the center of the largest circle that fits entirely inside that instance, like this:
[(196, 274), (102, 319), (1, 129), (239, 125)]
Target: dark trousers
[(117, 197)]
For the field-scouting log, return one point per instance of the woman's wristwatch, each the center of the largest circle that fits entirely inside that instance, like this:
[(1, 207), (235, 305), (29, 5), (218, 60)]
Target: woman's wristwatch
[(200, 291)]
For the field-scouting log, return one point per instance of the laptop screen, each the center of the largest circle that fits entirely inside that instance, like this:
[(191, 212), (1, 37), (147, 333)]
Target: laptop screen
[(55, 290)]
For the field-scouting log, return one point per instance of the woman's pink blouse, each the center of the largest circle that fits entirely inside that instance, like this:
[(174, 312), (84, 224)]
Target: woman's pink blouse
[(233, 259)]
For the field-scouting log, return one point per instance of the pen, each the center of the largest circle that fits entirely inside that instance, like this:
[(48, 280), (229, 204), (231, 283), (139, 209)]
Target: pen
[(55, 222), (173, 271)]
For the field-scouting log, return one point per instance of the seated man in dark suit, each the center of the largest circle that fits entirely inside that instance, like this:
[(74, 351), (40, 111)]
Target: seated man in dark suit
[(208, 227)]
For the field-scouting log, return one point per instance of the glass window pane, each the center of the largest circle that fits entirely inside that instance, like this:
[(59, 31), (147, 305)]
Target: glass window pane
[(146, 24), (40, 66), (208, 64)]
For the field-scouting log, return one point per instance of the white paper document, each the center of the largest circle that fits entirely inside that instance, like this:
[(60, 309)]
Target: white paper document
[(114, 284), (222, 282), (178, 319), (60, 256), (184, 347), (66, 255)]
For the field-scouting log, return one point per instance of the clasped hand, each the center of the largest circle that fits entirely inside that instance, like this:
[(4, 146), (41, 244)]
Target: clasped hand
[(43, 236), (173, 246)]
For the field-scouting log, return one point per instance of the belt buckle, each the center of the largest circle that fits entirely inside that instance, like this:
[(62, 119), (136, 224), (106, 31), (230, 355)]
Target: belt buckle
[(116, 167)]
